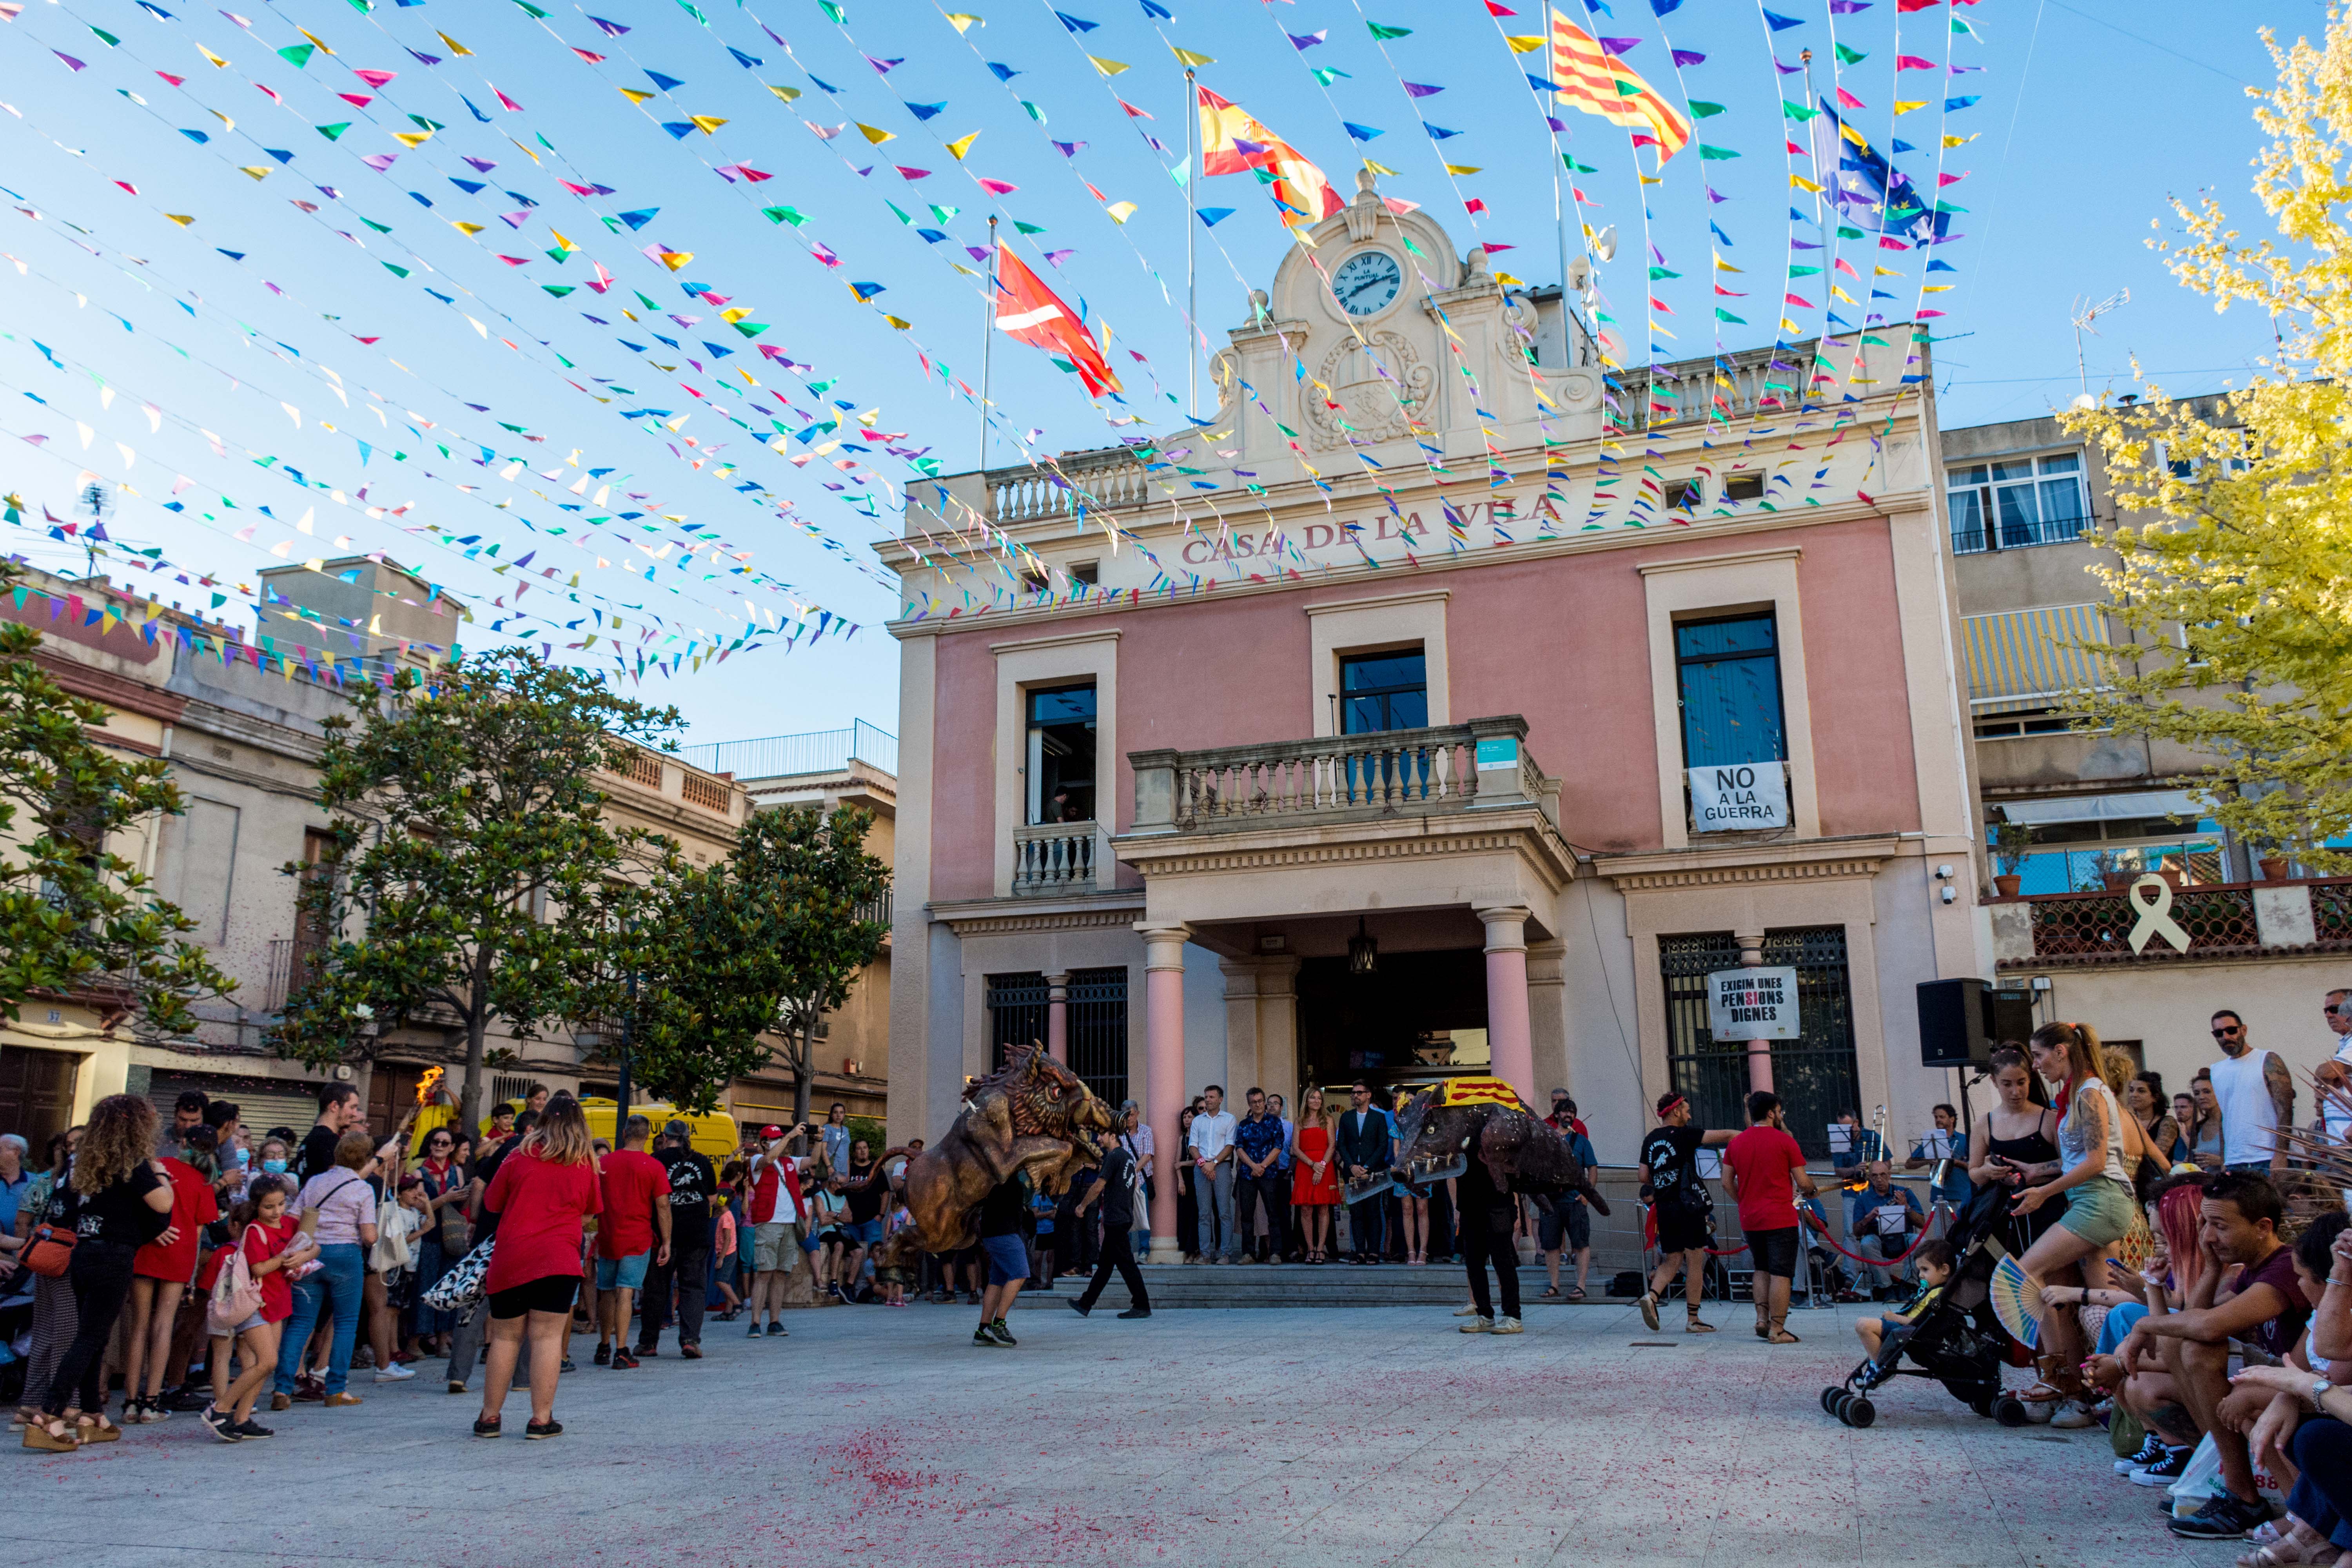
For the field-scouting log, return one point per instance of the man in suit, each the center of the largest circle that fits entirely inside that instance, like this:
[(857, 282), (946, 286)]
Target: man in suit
[(1364, 1146)]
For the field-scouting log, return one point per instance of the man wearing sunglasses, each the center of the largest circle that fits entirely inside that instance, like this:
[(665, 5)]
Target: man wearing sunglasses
[(2338, 1011), (2256, 1093)]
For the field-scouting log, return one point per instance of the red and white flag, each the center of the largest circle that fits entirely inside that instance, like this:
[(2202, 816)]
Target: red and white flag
[(1029, 313)]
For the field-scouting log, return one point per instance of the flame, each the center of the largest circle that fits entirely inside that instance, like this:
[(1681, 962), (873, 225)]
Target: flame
[(428, 1084)]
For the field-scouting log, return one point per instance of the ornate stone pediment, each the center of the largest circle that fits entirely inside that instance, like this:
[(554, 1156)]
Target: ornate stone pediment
[(1378, 407)]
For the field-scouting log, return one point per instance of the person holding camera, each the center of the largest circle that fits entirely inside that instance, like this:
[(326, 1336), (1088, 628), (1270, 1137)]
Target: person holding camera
[(774, 1210)]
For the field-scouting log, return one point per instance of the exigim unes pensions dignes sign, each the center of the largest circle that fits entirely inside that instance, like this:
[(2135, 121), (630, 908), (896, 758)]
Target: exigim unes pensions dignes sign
[(1752, 1005), (1739, 794)]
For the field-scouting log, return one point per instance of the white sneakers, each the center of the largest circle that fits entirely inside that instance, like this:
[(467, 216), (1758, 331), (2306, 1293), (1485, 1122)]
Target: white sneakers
[(1477, 1325), (395, 1373), (1506, 1326)]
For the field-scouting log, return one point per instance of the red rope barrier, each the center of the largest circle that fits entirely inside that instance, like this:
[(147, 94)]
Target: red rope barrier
[(1857, 1258)]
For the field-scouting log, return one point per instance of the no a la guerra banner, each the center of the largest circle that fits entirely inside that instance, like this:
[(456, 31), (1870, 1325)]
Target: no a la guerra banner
[(1744, 795)]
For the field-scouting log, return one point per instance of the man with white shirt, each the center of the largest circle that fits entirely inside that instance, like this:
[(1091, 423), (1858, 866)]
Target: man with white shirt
[(2256, 1093), (1211, 1146), (774, 1212), (2338, 1008)]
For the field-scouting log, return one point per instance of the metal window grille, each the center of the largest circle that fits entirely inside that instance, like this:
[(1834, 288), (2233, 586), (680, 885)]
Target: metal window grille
[(1098, 1030), (1016, 1013), (1815, 1075)]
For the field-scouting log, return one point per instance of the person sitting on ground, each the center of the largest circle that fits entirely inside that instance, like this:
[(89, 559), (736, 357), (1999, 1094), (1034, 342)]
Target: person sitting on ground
[(1881, 1218), (1935, 1260), (2257, 1301)]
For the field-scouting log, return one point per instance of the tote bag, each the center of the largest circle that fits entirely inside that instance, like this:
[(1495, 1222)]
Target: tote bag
[(462, 1286)]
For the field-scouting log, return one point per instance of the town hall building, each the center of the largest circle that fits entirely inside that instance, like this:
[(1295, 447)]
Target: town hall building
[(1449, 702)]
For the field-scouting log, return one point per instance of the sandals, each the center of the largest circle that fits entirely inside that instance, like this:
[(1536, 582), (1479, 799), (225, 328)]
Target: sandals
[(38, 1434), (1576, 1292), (2282, 1554), (97, 1429), (1691, 1325), (1549, 1293)]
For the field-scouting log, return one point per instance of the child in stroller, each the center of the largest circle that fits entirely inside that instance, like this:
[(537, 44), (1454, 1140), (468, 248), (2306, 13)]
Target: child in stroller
[(1948, 1331)]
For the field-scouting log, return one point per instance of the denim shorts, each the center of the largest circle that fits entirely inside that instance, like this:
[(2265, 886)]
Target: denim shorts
[(1008, 1260), (622, 1273), (2099, 1210), (864, 1233)]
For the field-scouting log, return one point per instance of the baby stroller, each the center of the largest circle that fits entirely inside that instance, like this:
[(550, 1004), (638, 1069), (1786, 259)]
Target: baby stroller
[(1952, 1336)]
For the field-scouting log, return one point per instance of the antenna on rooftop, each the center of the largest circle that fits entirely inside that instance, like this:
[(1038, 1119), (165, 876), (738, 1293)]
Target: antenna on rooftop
[(2085, 313)]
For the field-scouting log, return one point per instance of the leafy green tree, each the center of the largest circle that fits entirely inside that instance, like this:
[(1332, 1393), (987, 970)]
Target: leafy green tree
[(2239, 578), (76, 918), (757, 947), (469, 843)]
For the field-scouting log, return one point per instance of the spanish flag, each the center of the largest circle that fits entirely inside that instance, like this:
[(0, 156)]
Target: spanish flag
[(1029, 313), (1587, 77), (1479, 1091), (1233, 143)]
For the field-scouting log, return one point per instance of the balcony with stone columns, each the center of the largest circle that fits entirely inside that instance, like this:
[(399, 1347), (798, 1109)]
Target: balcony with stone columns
[(1448, 815)]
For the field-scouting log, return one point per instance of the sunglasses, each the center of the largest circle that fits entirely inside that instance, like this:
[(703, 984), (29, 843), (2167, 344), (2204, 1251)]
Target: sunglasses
[(2226, 1030)]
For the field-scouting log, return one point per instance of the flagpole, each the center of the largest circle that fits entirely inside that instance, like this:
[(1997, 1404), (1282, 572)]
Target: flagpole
[(987, 341), (1560, 223), (1812, 137), (1192, 222)]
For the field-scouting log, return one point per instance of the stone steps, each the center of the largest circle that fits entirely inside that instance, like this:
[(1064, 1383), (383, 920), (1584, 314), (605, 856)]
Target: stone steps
[(1338, 1285)]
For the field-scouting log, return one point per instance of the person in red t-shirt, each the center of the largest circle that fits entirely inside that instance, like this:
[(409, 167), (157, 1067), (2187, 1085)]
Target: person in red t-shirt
[(1766, 1170), (633, 1229), (160, 1272), (541, 1193), (272, 1242)]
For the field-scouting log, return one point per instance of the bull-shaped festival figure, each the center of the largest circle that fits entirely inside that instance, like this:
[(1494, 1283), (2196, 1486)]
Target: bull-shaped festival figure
[(1482, 1119), (1031, 1114)]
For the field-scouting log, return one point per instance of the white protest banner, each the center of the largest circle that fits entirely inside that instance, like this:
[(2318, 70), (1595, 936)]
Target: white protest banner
[(1739, 795), (1753, 1004)]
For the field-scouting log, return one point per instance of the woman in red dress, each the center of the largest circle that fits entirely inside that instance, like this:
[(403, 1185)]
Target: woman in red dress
[(1314, 1181)]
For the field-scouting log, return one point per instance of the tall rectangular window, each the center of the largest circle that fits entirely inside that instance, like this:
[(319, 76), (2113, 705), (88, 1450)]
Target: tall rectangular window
[(1062, 754), (1728, 674), (1384, 691), (1016, 1013), (1815, 1075)]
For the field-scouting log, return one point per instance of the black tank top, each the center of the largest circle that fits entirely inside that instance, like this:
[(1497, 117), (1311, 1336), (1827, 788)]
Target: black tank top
[(2022, 1230)]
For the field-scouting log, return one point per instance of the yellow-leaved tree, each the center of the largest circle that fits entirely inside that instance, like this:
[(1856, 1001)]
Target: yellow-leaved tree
[(2242, 573)]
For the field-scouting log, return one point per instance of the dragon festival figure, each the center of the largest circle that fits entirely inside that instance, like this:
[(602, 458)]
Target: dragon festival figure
[(1479, 1132), (1031, 1114)]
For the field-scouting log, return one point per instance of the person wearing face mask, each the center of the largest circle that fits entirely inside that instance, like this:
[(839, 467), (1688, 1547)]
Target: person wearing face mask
[(272, 1162)]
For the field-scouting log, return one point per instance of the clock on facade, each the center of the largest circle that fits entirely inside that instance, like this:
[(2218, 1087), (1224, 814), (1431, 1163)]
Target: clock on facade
[(1367, 281)]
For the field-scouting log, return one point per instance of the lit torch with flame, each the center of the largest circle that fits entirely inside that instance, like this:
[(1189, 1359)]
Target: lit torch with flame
[(428, 1084)]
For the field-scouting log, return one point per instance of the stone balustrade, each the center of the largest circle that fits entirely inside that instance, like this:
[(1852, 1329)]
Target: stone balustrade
[(1483, 764)]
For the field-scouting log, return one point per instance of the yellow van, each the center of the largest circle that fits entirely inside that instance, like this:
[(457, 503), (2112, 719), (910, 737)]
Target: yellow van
[(712, 1135)]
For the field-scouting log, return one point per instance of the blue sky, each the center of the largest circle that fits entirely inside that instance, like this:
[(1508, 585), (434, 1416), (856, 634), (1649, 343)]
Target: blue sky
[(2089, 114)]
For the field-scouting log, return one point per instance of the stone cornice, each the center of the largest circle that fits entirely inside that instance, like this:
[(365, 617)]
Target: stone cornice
[(1889, 508), (1804, 861), (1011, 917), (1523, 831)]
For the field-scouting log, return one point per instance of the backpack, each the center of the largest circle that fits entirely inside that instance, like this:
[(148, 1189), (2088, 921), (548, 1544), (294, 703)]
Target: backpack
[(391, 1253), (237, 1294)]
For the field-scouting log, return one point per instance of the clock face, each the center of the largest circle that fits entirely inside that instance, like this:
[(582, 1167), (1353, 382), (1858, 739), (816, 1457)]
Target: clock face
[(1367, 281)]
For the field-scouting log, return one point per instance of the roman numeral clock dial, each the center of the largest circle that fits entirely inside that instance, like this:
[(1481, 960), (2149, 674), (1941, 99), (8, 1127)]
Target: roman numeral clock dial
[(1367, 281)]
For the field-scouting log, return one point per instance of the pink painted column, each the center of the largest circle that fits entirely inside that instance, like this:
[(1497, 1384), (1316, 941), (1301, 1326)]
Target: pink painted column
[(1759, 1052), (1057, 1018), (1163, 1075), (1510, 1033)]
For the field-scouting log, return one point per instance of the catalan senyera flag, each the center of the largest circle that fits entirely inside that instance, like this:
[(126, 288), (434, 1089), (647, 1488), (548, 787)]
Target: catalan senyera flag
[(1478, 1091), (1592, 79), (1232, 141), (1029, 313)]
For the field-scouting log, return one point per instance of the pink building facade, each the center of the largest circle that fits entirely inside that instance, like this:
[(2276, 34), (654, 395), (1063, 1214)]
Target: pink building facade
[(1284, 767)]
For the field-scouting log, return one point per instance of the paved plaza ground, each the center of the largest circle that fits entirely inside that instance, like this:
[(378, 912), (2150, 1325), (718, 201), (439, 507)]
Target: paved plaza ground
[(1257, 1439)]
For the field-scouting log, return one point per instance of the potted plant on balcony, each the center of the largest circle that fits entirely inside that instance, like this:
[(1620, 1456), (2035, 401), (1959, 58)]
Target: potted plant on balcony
[(2011, 841), (2113, 874), (2274, 866)]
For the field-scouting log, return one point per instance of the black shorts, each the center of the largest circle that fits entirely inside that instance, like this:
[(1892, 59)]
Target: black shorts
[(1774, 1251), (551, 1293), (1681, 1230), (1568, 1216)]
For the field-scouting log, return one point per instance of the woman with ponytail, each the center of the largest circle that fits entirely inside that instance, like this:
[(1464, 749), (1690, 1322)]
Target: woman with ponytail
[(2093, 1182)]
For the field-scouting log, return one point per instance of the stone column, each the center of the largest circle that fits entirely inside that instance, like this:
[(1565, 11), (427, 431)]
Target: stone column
[(1547, 1017), (1163, 1073), (1241, 975), (1510, 1033), (1057, 1018), (1277, 1029), (1759, 1052)]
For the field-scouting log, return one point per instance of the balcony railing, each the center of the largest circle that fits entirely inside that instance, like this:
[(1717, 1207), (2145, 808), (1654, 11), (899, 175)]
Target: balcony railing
[(1050, 859), (1111, 477), (1333, 778), (2225, 920)]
